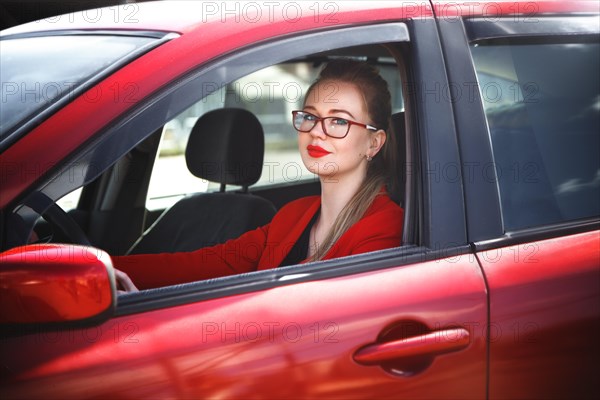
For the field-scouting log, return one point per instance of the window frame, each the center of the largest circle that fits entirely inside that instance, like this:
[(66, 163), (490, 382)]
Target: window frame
[(425, 120)]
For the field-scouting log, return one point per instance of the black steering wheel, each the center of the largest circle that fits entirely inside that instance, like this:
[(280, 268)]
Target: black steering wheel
[(59, 218)]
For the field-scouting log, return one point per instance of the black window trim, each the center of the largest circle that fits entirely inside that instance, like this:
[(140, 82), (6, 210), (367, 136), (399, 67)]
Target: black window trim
[(539, 233), (433, 127), (482, 196), (88, 32), (543, 25)]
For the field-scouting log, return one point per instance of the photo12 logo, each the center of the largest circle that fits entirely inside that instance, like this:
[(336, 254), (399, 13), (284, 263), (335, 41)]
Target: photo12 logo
[(269, 331), (127, 13), (490, 11), (269, 11)]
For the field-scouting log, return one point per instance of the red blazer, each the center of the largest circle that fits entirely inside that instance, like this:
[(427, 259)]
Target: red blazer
[(265, 247)]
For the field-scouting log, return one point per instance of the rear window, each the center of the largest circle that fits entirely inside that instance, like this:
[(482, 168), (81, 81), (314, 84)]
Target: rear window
[(542, 103), (37, 71)]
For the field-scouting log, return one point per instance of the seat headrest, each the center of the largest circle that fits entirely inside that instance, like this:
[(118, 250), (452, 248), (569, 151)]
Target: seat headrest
[(226, 146)]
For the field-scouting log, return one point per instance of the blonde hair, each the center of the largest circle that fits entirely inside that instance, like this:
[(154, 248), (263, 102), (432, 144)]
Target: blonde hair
[(378, 101)]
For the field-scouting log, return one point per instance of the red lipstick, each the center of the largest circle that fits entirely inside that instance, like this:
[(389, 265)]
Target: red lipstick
[(316, 151)]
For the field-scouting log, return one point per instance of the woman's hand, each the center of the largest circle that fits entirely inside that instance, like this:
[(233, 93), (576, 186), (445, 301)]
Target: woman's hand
[(124, 283)]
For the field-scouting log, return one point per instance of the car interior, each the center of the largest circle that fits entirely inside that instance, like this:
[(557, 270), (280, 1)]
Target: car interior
[(225, 146), (238, 161)]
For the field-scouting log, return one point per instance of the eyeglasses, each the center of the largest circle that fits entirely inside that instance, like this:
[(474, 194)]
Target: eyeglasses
[(334, 127)]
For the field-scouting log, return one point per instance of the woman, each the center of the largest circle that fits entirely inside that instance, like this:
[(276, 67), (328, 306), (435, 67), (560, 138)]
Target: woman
[(344, 137)]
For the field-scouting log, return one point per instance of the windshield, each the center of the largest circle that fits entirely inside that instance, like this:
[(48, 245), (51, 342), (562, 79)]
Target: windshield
[(35, 72)]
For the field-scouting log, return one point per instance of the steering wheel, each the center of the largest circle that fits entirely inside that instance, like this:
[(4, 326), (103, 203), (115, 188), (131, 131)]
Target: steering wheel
[(58, 217)]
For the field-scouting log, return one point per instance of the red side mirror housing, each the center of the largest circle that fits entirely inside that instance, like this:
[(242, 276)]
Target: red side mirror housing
[(54, 283)]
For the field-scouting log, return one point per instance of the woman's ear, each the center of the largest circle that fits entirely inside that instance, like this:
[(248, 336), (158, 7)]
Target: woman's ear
[(377, 141)]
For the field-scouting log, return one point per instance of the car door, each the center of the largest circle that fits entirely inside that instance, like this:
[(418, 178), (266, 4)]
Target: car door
[(413, 329), (529, 140), (410, 321)]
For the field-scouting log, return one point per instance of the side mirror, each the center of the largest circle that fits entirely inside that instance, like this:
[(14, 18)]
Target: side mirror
[(55, 283)]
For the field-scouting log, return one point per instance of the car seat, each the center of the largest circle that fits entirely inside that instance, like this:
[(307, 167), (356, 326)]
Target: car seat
[(225, 146)]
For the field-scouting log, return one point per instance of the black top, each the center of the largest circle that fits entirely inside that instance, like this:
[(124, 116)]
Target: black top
[(300, 249)]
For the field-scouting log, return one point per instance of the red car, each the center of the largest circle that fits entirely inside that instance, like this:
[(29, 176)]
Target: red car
[(495, 292)]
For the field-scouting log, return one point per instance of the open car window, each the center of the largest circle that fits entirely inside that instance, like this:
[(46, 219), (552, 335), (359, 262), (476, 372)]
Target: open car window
[(270, 94)]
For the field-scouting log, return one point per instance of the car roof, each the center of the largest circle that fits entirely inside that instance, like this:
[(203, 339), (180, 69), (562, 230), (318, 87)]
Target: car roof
[(184, 15)]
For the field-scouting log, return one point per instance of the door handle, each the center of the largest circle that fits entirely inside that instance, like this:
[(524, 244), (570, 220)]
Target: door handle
[(429, 344)]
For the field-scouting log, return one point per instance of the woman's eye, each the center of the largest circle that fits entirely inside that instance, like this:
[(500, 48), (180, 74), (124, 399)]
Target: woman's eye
[(309, 117), (339, 121)]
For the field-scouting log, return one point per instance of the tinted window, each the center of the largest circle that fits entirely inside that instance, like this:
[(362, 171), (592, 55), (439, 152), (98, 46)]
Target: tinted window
[(542, 103)]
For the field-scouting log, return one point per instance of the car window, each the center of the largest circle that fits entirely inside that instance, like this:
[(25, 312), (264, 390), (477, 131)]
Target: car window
[(28, 88), (542, 104), (271, 94)]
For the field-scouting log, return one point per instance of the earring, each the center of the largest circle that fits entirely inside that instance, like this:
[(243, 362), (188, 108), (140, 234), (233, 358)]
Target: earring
[(369, 158)]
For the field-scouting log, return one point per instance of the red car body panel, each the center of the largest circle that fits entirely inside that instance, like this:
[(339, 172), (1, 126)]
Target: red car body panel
[(204, 349), (544, 299)]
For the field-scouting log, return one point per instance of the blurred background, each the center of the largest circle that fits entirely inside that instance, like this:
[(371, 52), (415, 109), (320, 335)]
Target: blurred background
[(16, 12)]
